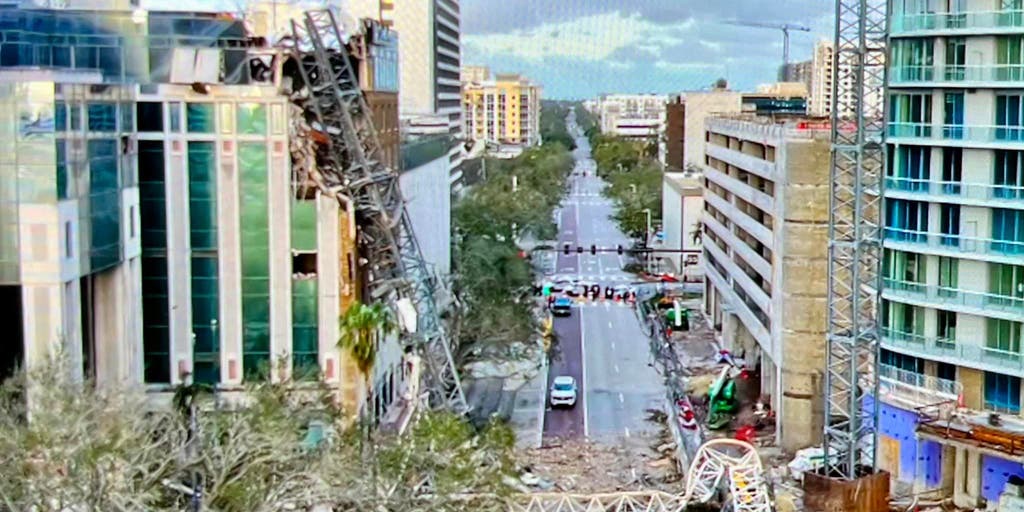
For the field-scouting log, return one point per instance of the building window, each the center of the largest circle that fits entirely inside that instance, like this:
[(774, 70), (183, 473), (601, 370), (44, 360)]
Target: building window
[(1009, 117), (102, 117), (60, 116), (1002, 338), (902, 361), (174, 113), (1009, 174), (69, 249), (904, 266), (1002, 393), (150, 116), (1009, 58), (945, 371), (911, 115), (909, 168), (956, 58), (947, 328), (1007, 231), (153, 239), (906, 220), (952, 168), (914, 58), (252, 119), (199, 117), (1006, 285), (202, 189), (948, 275), (254, 196), (949, 224), (75, 117)]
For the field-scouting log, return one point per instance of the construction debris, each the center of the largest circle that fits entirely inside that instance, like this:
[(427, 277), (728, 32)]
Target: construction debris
[(580, 466)]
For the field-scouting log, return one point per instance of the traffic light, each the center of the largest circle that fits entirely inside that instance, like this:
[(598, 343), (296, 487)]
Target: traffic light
[(593, 249), (579, 249), (618, 249), (546, 290), (565, 249)]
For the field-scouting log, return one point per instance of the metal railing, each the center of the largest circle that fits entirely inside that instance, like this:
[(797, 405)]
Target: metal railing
[(963, 73), (898, 384), (967, 354), (980, 191), (941, 21), (974, 133), (954, 296), (957, 243)]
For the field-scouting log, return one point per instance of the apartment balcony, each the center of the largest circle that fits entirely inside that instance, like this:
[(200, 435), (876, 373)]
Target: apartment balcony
[(973, 76), (961, 23), (912, 390), (977, 194), (957, 246), (954, 352), (972, 302), (979, 136)]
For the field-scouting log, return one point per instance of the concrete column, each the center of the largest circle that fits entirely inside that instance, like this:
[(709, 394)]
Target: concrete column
[(107, 315), (229, 267), (179, 264), (41, 321), (730, 328), (330, 273), (280, 257)]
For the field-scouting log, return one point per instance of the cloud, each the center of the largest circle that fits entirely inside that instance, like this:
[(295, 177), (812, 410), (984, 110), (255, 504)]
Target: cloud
[(589, 38)]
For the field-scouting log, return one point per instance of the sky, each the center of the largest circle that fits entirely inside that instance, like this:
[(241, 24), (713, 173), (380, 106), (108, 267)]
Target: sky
[(579, 49)]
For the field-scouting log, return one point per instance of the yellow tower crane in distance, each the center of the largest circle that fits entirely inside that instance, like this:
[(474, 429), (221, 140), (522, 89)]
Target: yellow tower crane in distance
[(784, 27)]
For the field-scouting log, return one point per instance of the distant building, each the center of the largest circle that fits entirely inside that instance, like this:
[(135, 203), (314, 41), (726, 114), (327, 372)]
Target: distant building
[(819, 103), (699, 105), (801, 72), (766, 214), (682, 204), (781, 98), (504, 110)]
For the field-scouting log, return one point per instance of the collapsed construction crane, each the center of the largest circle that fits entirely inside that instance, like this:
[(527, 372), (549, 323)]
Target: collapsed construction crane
[(347, 154)]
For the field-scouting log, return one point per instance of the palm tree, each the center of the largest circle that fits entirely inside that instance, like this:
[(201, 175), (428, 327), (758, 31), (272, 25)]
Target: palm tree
[(361, 324)]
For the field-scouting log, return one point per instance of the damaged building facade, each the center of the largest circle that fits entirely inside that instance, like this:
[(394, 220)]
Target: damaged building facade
[(152, 226)]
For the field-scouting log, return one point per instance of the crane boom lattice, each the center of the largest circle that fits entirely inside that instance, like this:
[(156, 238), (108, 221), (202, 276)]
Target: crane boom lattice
[(858, 161), (348, 162)]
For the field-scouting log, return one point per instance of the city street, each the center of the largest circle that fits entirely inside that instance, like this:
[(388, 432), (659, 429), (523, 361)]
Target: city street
[(601, 344)]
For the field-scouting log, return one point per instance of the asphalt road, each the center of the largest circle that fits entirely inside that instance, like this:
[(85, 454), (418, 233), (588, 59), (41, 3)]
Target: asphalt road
[(601, 344)]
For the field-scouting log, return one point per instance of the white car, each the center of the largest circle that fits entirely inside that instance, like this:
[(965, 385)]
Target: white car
[(563, 391)]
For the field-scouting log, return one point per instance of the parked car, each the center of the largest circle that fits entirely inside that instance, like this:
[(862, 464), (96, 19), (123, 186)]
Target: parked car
[(563, 391), (562, 306)]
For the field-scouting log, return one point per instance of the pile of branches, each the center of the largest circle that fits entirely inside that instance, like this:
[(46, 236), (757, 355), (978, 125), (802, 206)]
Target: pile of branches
[(74, 447)]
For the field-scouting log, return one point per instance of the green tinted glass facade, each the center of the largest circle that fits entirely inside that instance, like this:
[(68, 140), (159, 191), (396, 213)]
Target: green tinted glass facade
[(199, 117), (156, 338), (202, 188), (252, 119), (104, 204), (305, 351), (255, 241), (305, 348), (304, 226)]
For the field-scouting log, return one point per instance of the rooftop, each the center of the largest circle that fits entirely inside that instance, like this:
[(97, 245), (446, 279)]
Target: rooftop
[(786, 126)]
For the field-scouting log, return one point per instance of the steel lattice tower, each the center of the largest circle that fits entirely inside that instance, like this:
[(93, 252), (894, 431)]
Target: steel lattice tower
[(858, 164), (348, 161)]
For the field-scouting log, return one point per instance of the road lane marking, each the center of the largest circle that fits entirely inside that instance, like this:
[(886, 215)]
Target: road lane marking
[(622, 399), (616, 368), (609, 324), (627, 431)]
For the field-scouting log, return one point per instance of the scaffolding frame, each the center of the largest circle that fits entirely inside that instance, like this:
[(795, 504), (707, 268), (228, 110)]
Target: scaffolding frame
[(348, 163), (854, 250)]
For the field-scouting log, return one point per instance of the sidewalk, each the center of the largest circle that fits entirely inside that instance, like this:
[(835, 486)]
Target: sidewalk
[(527, 418)]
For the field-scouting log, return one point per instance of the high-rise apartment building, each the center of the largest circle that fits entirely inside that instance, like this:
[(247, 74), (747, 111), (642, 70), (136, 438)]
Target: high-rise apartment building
[(684, 124), (952, 308), (819, 102), (502, 110), (765, 218)]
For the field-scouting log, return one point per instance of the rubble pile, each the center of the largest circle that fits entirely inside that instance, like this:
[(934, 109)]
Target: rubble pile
[(580, 466)]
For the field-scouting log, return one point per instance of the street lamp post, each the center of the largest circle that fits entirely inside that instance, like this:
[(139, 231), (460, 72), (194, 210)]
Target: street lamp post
[(647, 236)]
